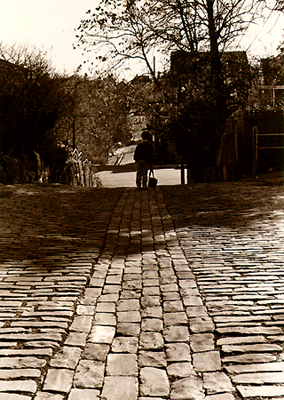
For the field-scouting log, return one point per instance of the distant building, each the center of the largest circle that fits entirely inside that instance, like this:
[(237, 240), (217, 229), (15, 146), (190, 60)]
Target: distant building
[(271, 87), (193, 70)]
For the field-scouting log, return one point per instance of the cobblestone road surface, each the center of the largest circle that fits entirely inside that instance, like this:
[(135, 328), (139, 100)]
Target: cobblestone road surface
[(117, 294)]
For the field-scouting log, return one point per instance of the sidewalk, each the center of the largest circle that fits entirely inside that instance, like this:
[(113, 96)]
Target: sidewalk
[(119, 178), (118, 294)]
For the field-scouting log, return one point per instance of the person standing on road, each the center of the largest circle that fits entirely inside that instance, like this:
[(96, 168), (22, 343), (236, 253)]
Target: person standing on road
[(143, 157)]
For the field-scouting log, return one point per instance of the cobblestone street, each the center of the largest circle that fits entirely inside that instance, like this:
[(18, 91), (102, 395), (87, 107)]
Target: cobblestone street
[(173, 293)]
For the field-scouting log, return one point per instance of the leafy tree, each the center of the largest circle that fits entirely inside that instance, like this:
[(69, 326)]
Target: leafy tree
[(97, 119), (31, 101), (122, 30)]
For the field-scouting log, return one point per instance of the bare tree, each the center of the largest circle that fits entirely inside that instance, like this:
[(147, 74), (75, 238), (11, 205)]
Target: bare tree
[(119, 31), (131, 29)]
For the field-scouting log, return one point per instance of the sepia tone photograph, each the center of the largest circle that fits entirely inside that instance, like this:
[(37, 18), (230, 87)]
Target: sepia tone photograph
[(141, 199)]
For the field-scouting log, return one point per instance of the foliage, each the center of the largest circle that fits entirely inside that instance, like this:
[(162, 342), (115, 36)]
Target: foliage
[(204, 30), (97, 118), (31, 101)]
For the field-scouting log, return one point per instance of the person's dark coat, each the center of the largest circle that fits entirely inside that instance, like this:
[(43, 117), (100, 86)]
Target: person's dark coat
[(144, 152)]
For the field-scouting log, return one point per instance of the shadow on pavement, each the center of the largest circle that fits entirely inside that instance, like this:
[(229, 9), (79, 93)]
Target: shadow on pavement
[(52, 222), (224, 204), (44, 221)]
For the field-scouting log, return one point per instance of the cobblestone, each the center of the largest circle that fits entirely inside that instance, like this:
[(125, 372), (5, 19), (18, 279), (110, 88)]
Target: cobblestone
[(165, 294)]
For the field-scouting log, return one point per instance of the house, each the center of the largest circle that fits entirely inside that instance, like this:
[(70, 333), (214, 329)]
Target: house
[(271, 85)]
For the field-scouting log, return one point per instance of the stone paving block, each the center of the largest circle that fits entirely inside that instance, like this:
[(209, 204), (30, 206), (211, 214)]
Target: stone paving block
[(122, 364), (104, 319), (151, 398), (152, 312), (150, 301), (269, 366), (39, 324), (111, 289), (152, 359), (19, 373), (170, 287), (186, 275), (54, 337), (187, 388), (148, 274), (207, 361), (130, 294), (67, 357), (96, 352), (90, 296), (171, 296), (37, 344), (151, 291), (179, 370), (9, 396), (173, 306), (114, 279), (196, 312), (48, 396), (238, 320), (167, 279), (258, 348), (128, 305), (240, 339), (128, 316), (202, 342), (102, 334), (128, 329), (89, 374), (217, 382), (201, 324), (83, 394), (125, 345), (178, 352), (22, 362), (152, 324), (151, 341), (176, 333), (192, 301), (26, 352), (175, 318), (259, 378), (224, 396), (25, 386), (107, 307), (189, 291), (257, 330), (81, 323), (96, 282), (58, 380), (111, 297), (261, 391), (278, 338), (76, 339), (250, 358), (154, 382), (52, 313), (120, 388)]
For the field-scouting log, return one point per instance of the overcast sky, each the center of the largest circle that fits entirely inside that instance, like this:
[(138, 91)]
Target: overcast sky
[(50, 24), (47, 24)]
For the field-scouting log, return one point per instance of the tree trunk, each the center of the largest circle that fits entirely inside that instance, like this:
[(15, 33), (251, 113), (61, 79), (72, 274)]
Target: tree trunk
[(217, 82)]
